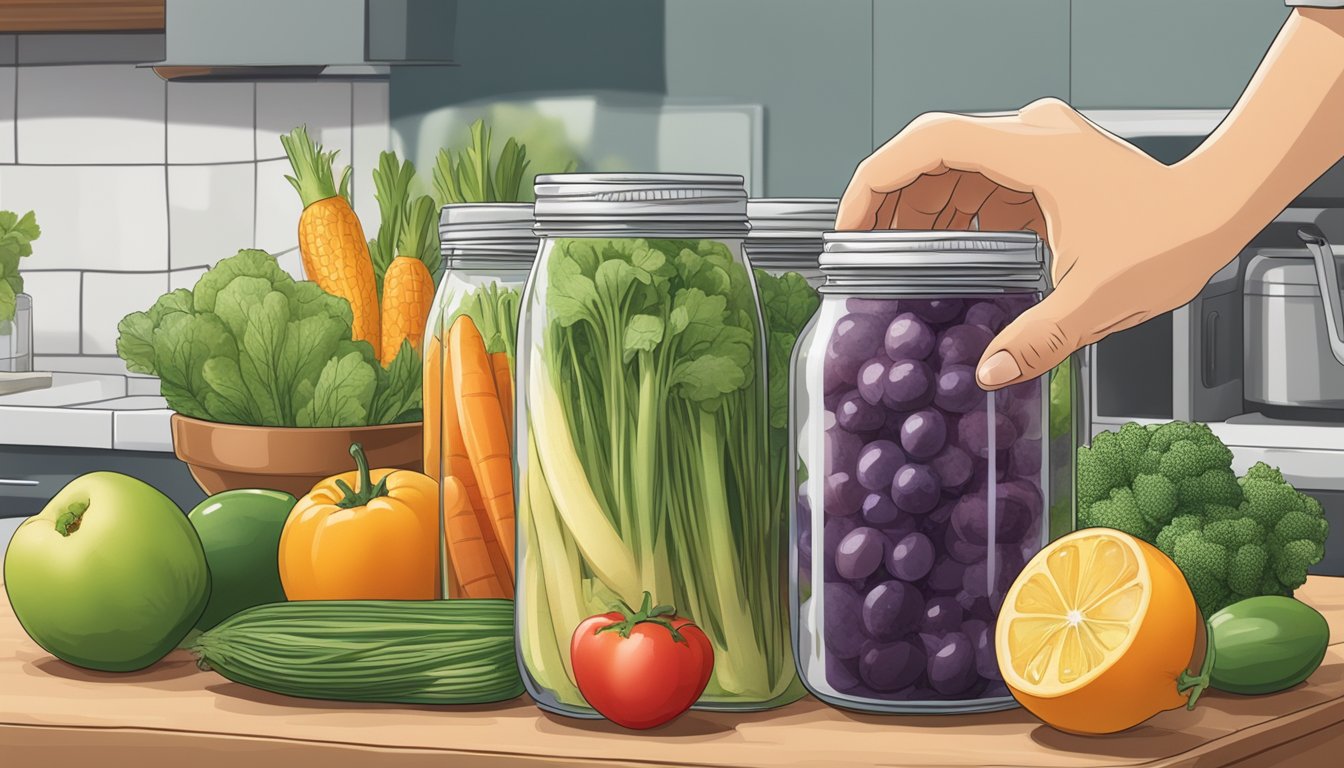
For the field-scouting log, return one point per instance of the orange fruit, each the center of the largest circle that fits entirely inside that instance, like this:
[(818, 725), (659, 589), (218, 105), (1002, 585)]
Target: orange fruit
[(1096, 631)]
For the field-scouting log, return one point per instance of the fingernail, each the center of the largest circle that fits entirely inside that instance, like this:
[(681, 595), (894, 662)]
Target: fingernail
[(998, 370)]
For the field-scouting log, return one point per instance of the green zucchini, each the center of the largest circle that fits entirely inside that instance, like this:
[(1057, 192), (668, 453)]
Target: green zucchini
[(398, 651), (1266, 644)]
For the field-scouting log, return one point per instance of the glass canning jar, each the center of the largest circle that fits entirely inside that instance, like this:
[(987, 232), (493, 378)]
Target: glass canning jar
[(786, 235), (488, 250), (919, 495), (642, 427)]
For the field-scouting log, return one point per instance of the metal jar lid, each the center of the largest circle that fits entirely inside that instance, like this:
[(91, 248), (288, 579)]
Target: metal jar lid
[(930, 261), (1284, 272), (715, 204), (504, 228), (791, 218)]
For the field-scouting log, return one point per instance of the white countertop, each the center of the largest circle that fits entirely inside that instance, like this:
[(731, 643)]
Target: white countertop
[(88, 410)]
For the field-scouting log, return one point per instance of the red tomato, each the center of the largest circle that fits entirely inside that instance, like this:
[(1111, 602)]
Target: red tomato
[(641, 669)]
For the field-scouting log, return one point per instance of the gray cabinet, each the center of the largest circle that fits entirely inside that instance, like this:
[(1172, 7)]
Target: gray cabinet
[(965, 55), (1158, 53), (30, 476)]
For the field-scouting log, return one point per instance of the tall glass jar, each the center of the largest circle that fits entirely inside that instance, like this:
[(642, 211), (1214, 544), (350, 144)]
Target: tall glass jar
[(488, 251), (785, 235), (920, 495), (642, 432)]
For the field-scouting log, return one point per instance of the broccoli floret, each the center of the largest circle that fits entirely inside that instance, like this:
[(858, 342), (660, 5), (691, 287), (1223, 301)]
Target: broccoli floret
[(1173, 486)]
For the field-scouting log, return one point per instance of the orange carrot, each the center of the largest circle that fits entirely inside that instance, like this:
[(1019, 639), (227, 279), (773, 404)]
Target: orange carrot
[(331, 241), (483, 428), (431, 380), (472, 572), (504, 387), (457, 465)]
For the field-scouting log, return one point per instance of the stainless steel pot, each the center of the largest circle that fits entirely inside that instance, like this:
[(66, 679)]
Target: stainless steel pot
[(16, 338), (1294, 327)]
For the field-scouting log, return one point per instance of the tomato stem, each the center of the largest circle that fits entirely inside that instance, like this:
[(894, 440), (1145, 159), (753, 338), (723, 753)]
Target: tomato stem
[(1197, 683), (367, 490), (657, 614)]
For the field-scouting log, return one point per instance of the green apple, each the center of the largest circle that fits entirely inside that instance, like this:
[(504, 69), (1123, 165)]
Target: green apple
[(110, 575), (240, 532)]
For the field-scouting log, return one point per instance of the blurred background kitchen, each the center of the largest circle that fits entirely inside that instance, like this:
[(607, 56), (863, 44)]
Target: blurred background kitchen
[(145, 136)]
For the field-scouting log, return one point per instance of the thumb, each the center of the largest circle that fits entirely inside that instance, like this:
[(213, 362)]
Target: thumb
[(1033, 344)]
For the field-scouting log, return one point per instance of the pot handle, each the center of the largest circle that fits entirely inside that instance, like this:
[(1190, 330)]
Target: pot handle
[(1327, 277)]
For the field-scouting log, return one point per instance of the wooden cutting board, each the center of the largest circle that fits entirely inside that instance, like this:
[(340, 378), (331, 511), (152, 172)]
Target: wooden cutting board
[(175, 715)]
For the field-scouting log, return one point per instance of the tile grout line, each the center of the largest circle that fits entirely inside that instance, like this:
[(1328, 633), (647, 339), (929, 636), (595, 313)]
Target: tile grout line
[(81, 313)]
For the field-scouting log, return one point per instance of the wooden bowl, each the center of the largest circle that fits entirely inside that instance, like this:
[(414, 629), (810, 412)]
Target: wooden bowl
[(225, 457)]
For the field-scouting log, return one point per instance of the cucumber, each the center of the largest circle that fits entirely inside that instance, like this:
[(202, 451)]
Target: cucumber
[(1266, 644), (397, 651)]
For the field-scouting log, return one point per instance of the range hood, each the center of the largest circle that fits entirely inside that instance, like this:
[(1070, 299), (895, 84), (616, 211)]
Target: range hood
[(303, 39)]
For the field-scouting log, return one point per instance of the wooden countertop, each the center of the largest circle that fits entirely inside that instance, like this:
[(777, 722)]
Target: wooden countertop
[(173, 714)]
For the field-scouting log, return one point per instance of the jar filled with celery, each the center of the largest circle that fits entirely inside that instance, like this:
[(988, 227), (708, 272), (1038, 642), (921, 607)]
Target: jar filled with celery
[(488, 250), (643, 432)]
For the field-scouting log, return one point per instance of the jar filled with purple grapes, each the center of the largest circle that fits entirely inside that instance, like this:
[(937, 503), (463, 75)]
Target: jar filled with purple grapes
[(920, 496)]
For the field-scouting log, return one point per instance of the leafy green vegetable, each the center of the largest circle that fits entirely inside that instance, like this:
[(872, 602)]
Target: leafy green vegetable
[(392, 181), (16, 242), (1173, 486), (468, 176), (652, 351), (250, 345)]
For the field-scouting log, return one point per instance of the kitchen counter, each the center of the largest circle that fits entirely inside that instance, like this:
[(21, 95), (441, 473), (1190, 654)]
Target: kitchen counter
[(174, 714), (89, 410)]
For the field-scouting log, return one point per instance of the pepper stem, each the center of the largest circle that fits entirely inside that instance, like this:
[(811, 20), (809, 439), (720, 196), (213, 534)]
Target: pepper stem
[(1197, 683), (366, 491), (645, 615)]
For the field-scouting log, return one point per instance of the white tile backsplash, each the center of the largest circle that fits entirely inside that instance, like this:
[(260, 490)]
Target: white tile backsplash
[(184, 278), (92, 217), (57, 427), (323, 106), (210, 212), (90, 114), (278, 208), (372, 137), (211, 122), (55, 311), (110, 296), (8, 78), (141, 429), (292, 262)]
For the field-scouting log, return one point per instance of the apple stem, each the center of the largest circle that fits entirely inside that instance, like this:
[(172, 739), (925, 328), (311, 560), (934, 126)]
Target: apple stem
[(68, 521), (367, 491), (1196, 684)]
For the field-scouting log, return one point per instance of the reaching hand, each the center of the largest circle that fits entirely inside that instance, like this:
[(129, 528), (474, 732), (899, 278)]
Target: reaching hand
[(1128, 235)]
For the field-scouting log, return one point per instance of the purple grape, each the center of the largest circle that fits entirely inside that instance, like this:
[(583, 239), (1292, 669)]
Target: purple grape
[(882, 309), (888, 667), (962, 345), (911, 558), (981, 635), (840, 674), (996, 691), (843, 494), (923, 434), (941, 615), (916, 488), (946, 576), (891, 609), (1014, 304), (842, 450), (878, 462), (855, 339), (832, 398), (954, 467), (805, 550), (961, 550), (1012, 517), (908, 386), (860, 552), (879, 510), (951, 667), (974, 433), (842, 615), (976, 583), (1025, 416), (935, 310), (836, 529), (956, 389), (908, 338), (858, 415), (1024, 458), (872, 376), (987, 315), (974, 607)]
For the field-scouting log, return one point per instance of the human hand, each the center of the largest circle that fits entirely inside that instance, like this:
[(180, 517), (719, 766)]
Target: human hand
[(1131, 238)]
